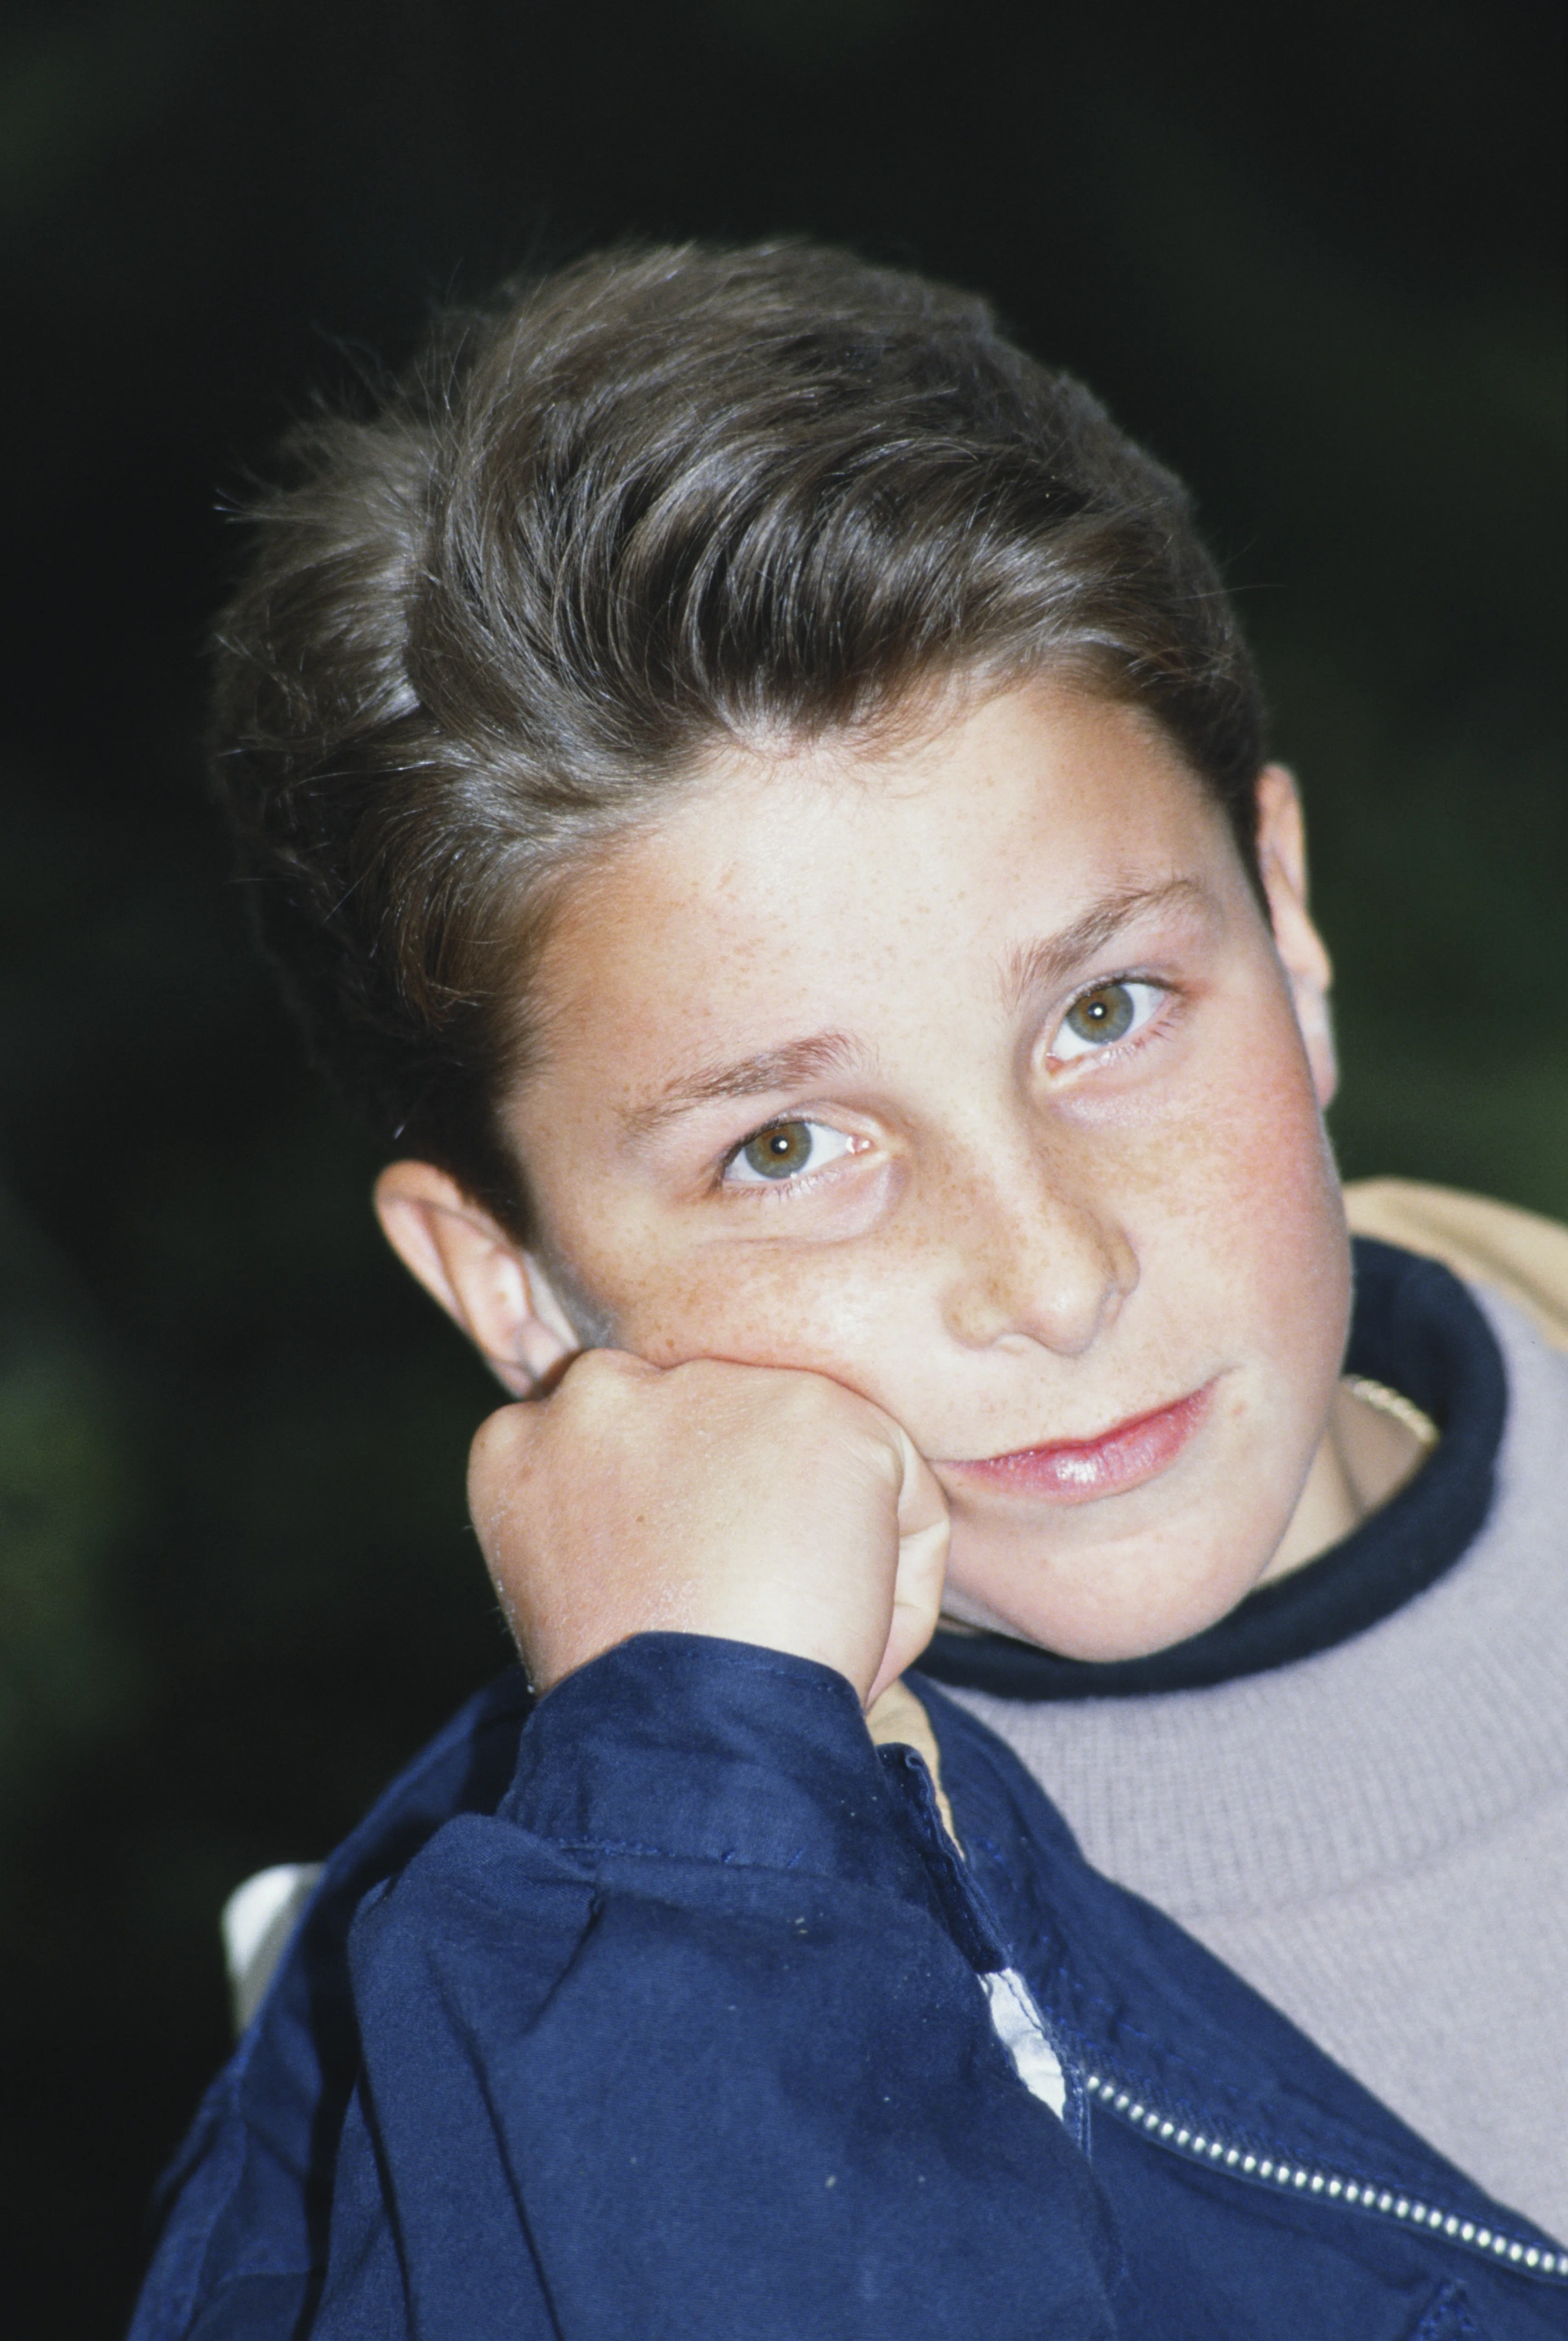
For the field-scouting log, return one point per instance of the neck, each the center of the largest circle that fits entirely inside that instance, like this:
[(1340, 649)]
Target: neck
[(1365, 1456)]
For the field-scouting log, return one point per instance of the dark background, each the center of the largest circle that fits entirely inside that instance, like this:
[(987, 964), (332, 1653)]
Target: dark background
[(1314, 262)]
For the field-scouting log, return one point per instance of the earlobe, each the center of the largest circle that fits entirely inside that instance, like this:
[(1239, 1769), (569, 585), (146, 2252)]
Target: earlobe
[(1282, 859), (478, 1274)]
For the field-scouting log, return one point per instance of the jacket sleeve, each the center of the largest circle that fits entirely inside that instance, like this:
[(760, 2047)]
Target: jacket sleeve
[(688, 2040)]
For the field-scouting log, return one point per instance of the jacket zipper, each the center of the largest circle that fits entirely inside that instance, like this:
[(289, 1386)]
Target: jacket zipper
[(1217, 2153)]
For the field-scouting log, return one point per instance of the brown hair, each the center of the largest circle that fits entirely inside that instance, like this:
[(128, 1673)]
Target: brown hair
[(660, 500)]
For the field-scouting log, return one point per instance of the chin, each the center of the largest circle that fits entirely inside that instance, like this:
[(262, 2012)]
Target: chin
[(1122, 1605)]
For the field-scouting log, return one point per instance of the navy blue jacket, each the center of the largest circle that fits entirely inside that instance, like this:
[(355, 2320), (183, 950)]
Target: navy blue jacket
[(655, 2014)]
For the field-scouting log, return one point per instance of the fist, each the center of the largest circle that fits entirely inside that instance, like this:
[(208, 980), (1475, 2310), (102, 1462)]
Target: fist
[(765, 1506)]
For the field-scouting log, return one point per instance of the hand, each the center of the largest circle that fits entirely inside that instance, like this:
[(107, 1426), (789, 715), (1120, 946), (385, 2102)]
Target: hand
[(769, 1506)]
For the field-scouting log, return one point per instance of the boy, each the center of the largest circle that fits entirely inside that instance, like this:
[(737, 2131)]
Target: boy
[(759, 786)]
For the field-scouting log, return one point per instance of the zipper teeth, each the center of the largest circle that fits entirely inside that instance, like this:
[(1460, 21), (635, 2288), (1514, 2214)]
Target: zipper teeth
[(1217, 2153)]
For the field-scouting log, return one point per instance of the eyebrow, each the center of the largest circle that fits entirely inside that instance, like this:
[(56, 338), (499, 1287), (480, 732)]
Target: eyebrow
[(1040, 967), (791, 1066)]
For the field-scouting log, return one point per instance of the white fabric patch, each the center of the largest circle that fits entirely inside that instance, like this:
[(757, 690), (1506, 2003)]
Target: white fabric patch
[(258, 1924), (1023, 2036)]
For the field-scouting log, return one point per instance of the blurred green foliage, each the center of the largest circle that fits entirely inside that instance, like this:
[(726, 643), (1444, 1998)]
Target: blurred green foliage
[(67, 1494), (1313, 259)]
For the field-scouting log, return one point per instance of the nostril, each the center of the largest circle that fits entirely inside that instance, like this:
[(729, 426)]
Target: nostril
[(1058, 1285)]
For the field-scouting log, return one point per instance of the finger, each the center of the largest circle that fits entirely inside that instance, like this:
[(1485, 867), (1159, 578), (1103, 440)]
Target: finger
[(925, 1533), (500, 1448), (506, 1441)]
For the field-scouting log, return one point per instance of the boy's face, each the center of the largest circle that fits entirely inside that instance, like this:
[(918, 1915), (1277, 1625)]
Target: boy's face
[(969, 1074)]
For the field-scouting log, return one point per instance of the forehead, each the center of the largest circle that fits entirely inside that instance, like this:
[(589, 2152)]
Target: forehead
[(797, 885)]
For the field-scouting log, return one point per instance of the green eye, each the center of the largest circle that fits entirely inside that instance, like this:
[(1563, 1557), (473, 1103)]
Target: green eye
[(778, 1152), (1103, 1015), (776, 1156), (1118, 1011)]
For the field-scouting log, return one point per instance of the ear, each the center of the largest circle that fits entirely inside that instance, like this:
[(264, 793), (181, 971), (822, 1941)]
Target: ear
[(1282, 857), (482, 1277)]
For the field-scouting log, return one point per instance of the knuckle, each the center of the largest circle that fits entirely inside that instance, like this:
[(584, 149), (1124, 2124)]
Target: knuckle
[(496, 1440), (596, 1379)]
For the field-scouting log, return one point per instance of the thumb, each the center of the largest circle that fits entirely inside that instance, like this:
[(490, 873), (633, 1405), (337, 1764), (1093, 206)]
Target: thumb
[(925, 1531)]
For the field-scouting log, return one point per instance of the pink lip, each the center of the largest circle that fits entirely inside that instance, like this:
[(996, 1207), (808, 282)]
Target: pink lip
[(1077, 1471)]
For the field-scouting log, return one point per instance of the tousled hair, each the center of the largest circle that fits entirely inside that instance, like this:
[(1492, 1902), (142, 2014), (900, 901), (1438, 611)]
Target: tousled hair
[(658, 503)]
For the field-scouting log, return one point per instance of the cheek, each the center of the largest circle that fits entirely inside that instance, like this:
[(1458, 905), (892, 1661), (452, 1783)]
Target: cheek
[(808, 1315), (1251, 1160), (1225, 1188), (1259, 1199), (759, 1307)]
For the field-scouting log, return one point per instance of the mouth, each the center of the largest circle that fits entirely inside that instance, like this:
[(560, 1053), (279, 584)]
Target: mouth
[(1080, 1470)]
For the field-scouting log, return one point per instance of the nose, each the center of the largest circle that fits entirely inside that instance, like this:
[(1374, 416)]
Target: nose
[(1034, 1260)]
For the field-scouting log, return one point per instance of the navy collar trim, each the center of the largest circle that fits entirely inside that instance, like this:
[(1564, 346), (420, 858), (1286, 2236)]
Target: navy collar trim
[(1413, 1327)]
